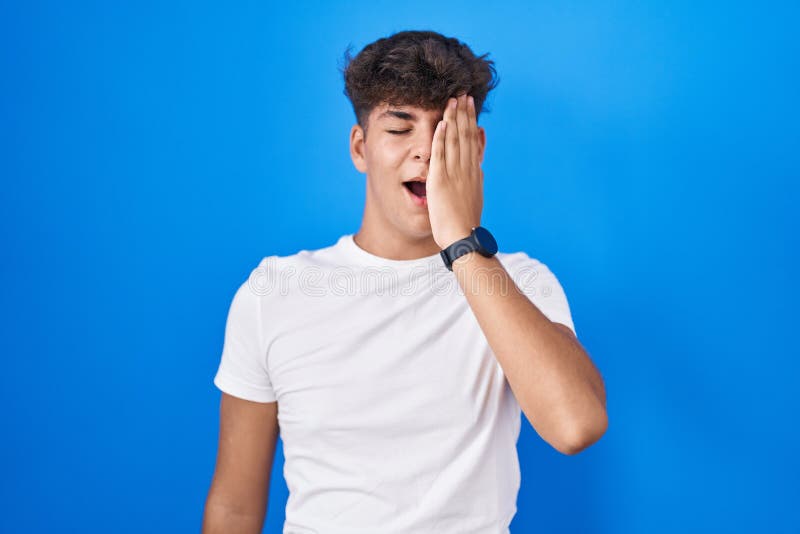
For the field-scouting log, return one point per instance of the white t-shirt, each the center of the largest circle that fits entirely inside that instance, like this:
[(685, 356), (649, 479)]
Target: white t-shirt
[(395, 415)]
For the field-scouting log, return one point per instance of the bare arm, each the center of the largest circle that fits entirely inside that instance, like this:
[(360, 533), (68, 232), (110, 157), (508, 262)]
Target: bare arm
[(237, 499), (552, 377), (558, 387)]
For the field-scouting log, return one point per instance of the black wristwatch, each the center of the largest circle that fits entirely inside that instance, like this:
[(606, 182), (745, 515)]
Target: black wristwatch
[(480, 239)]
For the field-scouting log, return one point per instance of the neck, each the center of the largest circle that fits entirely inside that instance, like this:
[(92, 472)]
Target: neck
[(394, 245)]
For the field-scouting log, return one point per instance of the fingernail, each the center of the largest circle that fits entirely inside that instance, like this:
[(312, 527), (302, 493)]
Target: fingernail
[(471, 101)]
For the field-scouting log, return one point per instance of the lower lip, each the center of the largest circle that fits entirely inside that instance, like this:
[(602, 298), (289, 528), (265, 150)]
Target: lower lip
[(419, 201)]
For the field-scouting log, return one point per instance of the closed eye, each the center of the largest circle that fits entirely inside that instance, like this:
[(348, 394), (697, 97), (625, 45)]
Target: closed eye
[(397, 132)]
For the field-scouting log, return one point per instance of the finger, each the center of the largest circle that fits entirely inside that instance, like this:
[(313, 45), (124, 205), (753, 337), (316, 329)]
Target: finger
[(451, 153), (464, 148), (474, 133), (437, 150)]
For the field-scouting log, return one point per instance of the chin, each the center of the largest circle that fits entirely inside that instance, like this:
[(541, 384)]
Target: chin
[(422, 230)]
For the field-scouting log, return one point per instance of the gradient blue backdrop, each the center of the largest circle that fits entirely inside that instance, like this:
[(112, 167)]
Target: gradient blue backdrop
[(153, 153)]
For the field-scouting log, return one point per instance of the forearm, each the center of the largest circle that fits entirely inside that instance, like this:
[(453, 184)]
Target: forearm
[(552, 377), (219, 518)]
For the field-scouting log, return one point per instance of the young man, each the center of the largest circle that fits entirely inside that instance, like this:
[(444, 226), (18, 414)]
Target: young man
[(396, 362)]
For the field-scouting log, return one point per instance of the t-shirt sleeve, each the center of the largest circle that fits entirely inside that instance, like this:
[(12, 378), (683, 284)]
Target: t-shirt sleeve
[(242, 369), (542, 287)]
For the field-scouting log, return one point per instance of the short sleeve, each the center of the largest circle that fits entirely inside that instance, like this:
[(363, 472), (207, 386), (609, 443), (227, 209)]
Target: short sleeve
[(542, 287), (242, 369)]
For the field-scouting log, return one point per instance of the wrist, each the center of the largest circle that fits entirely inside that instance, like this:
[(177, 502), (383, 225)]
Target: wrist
[(464, 259), (453, 236)]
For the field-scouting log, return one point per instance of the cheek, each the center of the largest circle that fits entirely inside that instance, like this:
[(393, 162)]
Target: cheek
[(388, 154)]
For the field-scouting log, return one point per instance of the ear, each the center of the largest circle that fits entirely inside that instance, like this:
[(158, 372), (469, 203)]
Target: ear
[(357, 153), (481, 140)]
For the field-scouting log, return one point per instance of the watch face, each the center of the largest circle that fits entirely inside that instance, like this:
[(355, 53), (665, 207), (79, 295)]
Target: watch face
[(486, 240)]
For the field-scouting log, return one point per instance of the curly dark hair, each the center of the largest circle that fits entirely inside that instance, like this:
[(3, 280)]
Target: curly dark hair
[(418, 68)]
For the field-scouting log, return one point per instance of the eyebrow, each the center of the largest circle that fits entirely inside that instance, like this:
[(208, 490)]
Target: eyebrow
[(406, 116)]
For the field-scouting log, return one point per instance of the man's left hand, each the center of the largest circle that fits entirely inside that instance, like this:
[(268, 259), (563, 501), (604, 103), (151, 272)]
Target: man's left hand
[(454, 187)]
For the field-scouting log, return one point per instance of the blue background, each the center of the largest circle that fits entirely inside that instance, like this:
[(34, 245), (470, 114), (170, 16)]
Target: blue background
[(153, 153)]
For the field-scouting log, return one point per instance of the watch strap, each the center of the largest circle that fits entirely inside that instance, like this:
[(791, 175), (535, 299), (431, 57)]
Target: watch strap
[(463, 246)]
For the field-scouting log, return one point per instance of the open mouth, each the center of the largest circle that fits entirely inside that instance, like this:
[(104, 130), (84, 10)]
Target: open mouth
[(416, 187)]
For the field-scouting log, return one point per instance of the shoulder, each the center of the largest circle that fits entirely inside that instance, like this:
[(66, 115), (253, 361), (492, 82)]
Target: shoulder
[(521, 263), (272, 269), (531, 274)]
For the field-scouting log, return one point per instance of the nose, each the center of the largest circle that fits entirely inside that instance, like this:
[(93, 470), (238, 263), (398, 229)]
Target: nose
[(422, 147)]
